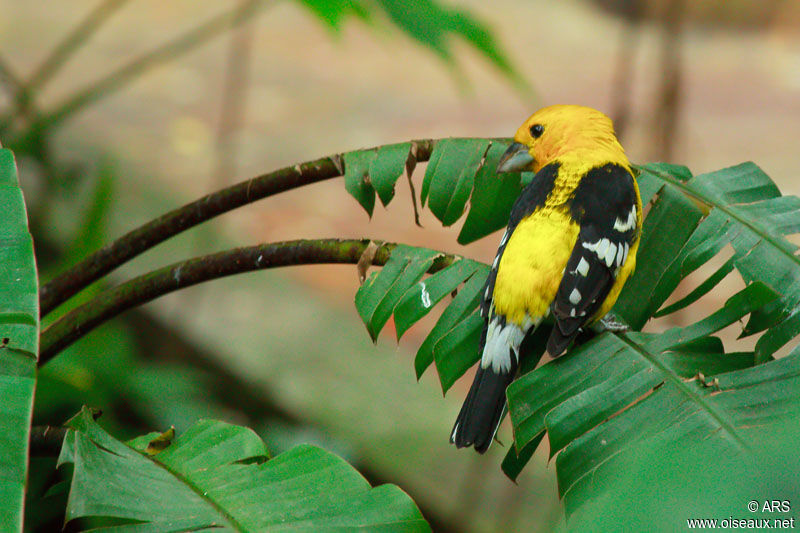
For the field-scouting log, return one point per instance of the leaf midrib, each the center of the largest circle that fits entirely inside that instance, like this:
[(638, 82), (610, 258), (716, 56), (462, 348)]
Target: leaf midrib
[(197, 490), (685, 390), (723, 207)]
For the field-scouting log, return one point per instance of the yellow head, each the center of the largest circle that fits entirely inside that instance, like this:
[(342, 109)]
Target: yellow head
[(559, 130)]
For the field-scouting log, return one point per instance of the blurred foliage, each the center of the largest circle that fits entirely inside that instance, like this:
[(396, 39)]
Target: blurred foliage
[(733, 13)]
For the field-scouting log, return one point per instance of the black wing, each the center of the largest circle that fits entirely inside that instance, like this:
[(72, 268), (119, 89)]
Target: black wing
[(605, 206)]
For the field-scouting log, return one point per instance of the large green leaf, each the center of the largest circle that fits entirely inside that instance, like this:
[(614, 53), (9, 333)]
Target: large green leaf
[(748, 213), (736, 417), (19, 343), (219, 475)]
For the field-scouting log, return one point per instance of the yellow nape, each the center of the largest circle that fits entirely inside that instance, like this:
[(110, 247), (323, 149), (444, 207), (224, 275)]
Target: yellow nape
[(582, 134), (532, 265)]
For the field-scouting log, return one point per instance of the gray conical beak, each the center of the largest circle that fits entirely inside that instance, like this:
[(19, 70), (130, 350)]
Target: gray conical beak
[(516, 159)]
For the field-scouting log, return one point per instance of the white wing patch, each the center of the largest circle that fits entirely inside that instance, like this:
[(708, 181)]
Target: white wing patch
[(501, 341), (625, 225), (583, 267), (607, 251), (611, 254), (575, 297)]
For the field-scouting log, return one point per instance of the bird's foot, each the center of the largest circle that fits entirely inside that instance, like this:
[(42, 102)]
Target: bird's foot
[(611, 323)]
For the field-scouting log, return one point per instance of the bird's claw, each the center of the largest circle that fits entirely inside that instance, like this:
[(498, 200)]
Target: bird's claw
[(610, 323)]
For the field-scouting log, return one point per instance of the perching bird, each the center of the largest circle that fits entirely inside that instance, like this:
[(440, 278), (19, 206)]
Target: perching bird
[(569, 247)]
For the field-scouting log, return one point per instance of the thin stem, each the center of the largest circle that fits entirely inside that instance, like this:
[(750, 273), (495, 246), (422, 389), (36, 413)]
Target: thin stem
[(100, 263), (72, 42), (9, 77), (46, 441), (122, 76), (147, 287)]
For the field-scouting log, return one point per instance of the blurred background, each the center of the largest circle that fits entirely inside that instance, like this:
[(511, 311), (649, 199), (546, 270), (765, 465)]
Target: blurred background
[(119, 110)]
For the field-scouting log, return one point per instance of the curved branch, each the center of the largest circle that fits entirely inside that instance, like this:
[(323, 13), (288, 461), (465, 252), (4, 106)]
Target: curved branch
[(146, 287), (100, 263)]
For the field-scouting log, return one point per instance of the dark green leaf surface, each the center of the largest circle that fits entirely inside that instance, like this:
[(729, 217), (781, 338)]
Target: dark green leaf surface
[(675, 216), (420, 298), (735, 404), (218, 475), (356, 178), (459, 309), (456, 351), (749, 214), (577, 392), (19, 343), (493, 196), (514, 462), (387, 167), (450, 176), (380, 293)]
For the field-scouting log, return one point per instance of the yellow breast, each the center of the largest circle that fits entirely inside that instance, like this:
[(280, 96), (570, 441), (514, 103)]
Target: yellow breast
[(533, 263)]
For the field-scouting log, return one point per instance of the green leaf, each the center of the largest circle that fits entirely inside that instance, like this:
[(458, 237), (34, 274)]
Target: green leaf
[(493, 196), (735, 405), (514, 462), (457, 350), (747, 213), (19, 343), (356, 178), (420, 298), (380, 293), (387, 167), (459, 309), (450, 176), (675, 215), (218, 475)]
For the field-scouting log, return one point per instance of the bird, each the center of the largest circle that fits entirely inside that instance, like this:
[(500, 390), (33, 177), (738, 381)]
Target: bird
[(568, 250)]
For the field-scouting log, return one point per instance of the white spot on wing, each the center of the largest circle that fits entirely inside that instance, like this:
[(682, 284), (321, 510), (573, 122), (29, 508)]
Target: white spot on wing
[(611, 254), (621, 254), (575, 297), (426, 296), (625, 225), (583, 267)]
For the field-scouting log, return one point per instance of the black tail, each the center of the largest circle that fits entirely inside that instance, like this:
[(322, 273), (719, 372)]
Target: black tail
[(482, 411)]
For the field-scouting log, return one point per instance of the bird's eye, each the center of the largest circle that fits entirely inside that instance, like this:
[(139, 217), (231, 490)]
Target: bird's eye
[(537, 130)]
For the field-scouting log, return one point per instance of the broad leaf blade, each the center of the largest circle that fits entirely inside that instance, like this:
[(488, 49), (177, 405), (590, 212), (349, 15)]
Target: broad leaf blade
[(673, 215), (419, 299), (216, 475), (19, 343)]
